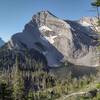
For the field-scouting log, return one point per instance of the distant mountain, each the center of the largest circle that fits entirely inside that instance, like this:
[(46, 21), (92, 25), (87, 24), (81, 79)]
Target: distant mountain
[(90, 23), (58, 40), (1, 42)]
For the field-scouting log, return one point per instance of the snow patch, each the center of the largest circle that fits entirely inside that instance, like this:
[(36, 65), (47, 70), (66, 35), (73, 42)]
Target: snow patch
[(48, 39), (51, 39), (44, 28), (84, 23)]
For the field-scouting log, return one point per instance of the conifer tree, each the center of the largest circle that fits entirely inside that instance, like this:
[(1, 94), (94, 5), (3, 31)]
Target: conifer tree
[(5, 91), (18, 84), (96, 4)]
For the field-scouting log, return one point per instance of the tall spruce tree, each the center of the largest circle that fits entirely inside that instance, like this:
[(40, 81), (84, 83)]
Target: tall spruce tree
[(96, 3), (18, 84)]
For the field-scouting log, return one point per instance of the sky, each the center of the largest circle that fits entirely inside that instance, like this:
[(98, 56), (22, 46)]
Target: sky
[(14, 14)]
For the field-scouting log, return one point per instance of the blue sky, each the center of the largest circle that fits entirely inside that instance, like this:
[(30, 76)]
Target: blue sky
[(14, 14)]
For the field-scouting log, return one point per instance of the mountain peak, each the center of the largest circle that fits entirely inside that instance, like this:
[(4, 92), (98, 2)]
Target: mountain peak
[(43, 14), (58, 40), (45, 11)]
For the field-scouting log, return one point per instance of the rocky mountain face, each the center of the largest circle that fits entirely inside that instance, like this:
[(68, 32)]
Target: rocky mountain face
[(59, 40), (1, 42)]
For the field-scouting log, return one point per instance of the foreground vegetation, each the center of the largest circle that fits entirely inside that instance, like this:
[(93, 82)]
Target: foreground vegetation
[(36, 83)]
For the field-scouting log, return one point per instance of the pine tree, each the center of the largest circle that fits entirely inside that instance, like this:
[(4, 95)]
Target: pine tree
[(5, 91), (96, 4), (18, 84), (30, 95)]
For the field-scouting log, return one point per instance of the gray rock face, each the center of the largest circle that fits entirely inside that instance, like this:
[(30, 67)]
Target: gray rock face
[(58, 40), (1, 42)]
